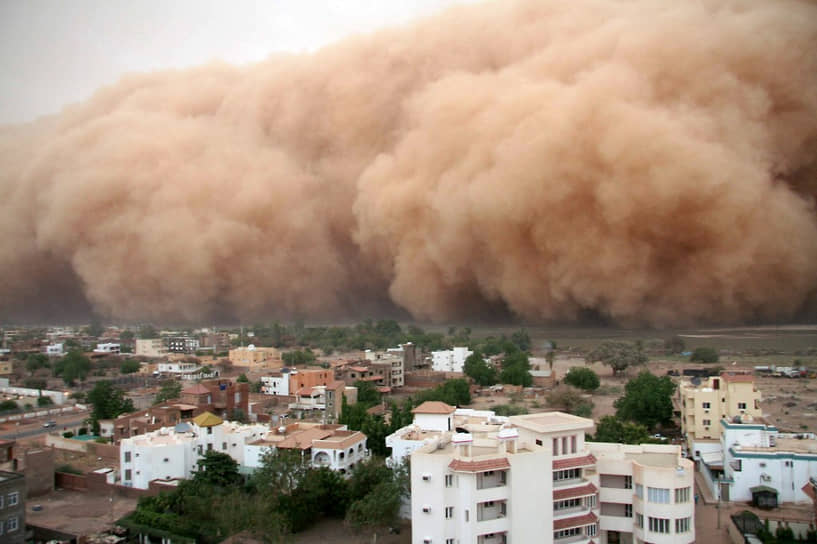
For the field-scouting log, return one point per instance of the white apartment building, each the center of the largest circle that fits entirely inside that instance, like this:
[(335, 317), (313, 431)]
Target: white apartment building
[(451, 360), (108, 348), (183, 370), (487, 481), (759, 458), (172, 452), (276, 383), (55, 350), (150, 347)]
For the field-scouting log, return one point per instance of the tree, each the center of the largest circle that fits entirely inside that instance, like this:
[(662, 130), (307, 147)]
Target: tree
[(583, 378), (321, 492), (516, 369), (367, 393), (218, 469), (521, 339), (455, 392), (705, 355), (127, 336), (618, 355), (36, 361), (44, 401), (73, 366), (129, 366), (108, 402), (298, 357), (242, 378), (570, 400), (613, 429), (647, 400), (478, 370), (170, 389), (674, 345)]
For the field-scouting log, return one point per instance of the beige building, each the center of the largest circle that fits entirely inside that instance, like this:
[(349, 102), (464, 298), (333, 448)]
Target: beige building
[(704, 403), (497, 480), (150, 347), (256, 357)]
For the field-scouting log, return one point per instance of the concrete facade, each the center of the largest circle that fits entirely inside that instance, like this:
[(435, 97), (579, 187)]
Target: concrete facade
[(12, 508), (451, 360), (150, 347)]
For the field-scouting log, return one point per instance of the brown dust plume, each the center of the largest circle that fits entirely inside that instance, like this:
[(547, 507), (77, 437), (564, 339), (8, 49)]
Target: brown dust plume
[(651, 162)]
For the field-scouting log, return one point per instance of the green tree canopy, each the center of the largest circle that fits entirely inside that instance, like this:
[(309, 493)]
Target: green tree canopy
[(618, 355), (516, 369), (647, 400), (242, 378), (127, 336), (705, 355), (108, 402), (478, 370), (367, 393), (570, 400), (583, 378), (129, 366), (613, 429), (74, 366), (218, 469), (147, 331)]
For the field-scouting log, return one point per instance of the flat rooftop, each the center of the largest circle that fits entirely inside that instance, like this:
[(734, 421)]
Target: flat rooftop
[(551, 422)]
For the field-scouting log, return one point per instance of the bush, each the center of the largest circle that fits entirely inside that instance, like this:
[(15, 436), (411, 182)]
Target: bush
[(101, 440), (8, 405), (583, 378), (82, 431), (130, 366), (705, 355), (44, 401), (68, 434), (509, 410)]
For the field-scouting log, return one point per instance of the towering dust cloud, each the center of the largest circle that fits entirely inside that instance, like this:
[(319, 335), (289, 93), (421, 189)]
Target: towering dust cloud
[(651, 162)]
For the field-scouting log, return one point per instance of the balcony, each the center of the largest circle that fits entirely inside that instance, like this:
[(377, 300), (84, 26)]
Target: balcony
[(493, 538), (491, 479), (490, 510)]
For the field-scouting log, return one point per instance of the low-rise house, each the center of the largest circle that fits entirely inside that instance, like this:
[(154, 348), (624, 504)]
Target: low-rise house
[(255, 357), (108, 348)]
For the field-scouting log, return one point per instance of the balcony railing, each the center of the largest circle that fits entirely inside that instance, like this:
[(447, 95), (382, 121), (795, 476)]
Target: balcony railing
[(499, 478)]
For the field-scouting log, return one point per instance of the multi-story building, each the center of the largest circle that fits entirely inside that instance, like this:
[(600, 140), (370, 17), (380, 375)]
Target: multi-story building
[(256, 357), (393, 362), (54, 350), (217, 342), (451, 360), (221, 397), (366, 371), (182, 344), (706, 401), (486, 481), (276, 383), (12, 507), (150, 347), (108, 348), (760, 460)]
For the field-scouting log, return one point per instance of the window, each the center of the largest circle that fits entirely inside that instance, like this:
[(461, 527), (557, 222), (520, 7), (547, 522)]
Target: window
[(628, 510), (567, 533), (1, 501), (573, 444), (659, 525), (628, 482), (706, 406), (682, 494), (449, 480), (538, 442), (639, 520), (682, 525), (12, 524), (209, 447), (591, 530), (639, 491), (568, 474), (555, 447), (224, 446), (127, 457), (449, 512), (591, 502), (14, 498), (707, 422), (166, 460), (741, 406), (128, 474), (449, 541), (209, 430), (658, 495), (567, 503)]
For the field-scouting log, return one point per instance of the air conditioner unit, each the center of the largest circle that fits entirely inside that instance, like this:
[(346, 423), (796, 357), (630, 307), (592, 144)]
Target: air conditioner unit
[(426, 508), (426, 541), (426, 477)]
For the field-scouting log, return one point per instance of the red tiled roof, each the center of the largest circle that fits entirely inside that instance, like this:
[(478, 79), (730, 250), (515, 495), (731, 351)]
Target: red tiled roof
[(574, 462), (462, 465), (576, 521), (197, 389), (434, 407), (573, 492)]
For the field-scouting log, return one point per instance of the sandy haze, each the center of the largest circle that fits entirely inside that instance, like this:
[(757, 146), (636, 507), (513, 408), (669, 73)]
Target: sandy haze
[(648, 162)]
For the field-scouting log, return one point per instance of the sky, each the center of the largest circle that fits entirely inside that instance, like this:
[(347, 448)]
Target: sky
[(54, 53)]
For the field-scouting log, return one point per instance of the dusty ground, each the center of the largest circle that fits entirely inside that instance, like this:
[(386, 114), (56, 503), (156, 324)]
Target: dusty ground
[(78, 513), (335, 531)]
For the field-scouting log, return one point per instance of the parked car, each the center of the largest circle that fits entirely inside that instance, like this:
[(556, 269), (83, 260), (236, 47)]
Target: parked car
[(49, 424)]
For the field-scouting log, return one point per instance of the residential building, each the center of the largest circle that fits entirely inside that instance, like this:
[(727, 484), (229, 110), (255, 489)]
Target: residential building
[(172, 452), (182, 369), (217, 342), (12, 507), (6, 366), (327, 398), (221, 397), (331, 446), (256, 357), (150, 347), (451, 360), (758, 459), (108, 348), (182, 344), (480, 478), (705, 401), (365, 371), (276, 383), (54, 350), (392, 361)]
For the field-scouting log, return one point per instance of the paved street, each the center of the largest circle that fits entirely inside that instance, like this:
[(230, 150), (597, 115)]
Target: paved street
[(34, 427)]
